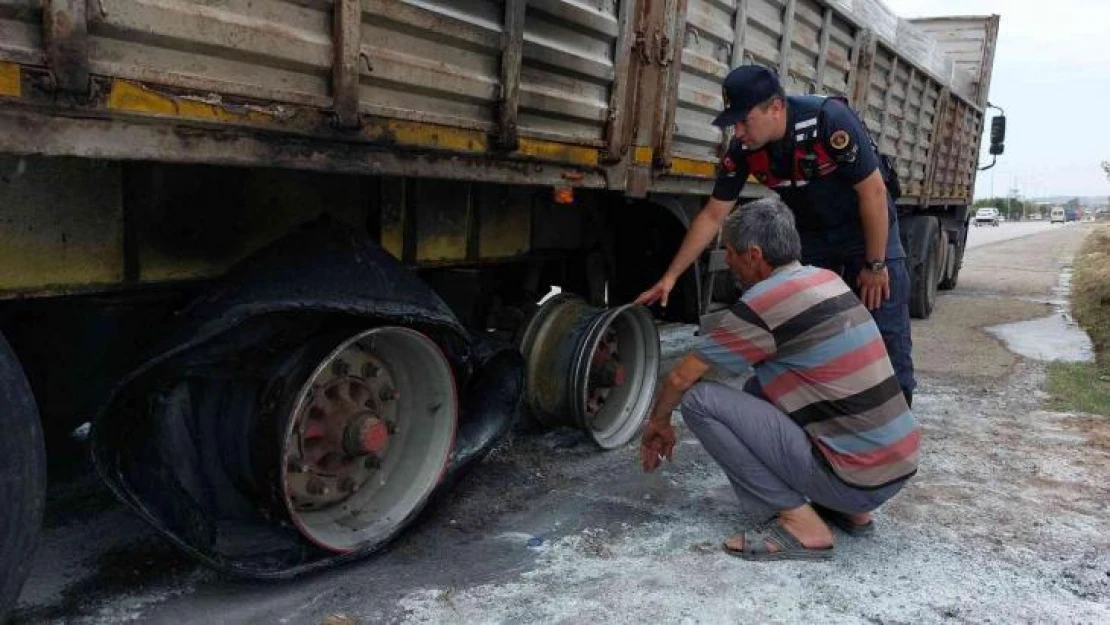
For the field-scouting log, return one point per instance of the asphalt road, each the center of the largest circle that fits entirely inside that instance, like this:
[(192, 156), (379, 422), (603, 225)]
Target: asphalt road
[(985, 235), (1004, 523)]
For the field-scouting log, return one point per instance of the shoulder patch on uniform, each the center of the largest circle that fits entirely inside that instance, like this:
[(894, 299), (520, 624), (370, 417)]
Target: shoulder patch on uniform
[(840, 140), (728, 164)]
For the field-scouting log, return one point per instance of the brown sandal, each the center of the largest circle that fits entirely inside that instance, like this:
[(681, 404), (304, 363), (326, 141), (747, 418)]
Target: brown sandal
[(787, 547)]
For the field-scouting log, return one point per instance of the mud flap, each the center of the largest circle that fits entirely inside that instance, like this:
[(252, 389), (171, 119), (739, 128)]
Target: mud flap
[(180, 439)]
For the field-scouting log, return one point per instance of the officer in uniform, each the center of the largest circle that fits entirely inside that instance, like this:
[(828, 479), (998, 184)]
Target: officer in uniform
[(816, 154)]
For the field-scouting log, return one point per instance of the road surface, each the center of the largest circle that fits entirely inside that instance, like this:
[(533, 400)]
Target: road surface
[(985, 235), (1006, 521)]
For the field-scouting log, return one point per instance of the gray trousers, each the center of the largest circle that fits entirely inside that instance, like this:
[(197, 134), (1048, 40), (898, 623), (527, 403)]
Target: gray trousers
[(766, 455)]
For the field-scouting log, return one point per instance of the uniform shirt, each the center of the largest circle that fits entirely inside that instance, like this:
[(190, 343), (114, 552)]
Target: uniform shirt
[(820, 359), (825, 206)]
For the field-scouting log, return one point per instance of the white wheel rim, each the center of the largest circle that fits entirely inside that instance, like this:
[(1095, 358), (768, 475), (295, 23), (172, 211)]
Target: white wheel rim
[(369, 435)]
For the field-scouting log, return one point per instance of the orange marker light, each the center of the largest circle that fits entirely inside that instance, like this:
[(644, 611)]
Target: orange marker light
[(563, 195)]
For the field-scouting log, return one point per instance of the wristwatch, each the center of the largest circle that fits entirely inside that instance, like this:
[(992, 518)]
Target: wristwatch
[(876, 265)]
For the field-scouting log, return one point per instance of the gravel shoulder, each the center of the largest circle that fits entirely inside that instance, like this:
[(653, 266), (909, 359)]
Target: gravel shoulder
[(1004, 522)]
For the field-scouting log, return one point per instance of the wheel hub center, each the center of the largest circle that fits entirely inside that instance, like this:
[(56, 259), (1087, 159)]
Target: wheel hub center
[(365, 434), (343, 432)]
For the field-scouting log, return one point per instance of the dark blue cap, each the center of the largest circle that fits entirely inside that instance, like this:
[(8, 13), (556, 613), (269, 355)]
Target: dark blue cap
[(744, 88)]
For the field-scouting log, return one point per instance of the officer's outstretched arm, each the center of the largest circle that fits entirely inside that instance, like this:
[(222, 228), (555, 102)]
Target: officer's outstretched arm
[(703, 229)]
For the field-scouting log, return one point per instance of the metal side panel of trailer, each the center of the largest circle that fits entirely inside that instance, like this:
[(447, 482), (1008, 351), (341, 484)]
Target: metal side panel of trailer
[(612, 93)]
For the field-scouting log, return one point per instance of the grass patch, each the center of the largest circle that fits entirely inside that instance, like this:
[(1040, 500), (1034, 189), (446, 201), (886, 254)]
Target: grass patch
[(1079, 387), (1090, 292), (1085, 387)]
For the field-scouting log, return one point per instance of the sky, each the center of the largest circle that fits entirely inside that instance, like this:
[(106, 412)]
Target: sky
[(1052, 77)]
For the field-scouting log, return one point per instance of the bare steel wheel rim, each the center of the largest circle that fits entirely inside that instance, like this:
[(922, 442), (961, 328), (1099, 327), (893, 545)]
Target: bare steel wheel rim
[(591, 368), (368, 437), (616, 374)]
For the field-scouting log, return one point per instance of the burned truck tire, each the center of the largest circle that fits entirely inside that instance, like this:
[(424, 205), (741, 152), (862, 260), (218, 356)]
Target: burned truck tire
[(923, 238), (304, 410), (22, 478)]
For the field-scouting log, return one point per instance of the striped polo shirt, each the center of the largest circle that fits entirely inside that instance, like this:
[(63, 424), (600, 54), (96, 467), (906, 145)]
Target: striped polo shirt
[(821, 360)]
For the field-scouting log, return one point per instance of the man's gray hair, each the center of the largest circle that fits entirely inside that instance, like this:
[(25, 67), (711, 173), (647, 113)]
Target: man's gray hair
[(769, 224)]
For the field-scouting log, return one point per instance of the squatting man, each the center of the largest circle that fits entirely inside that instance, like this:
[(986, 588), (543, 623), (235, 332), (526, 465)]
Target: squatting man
[(826, 433)]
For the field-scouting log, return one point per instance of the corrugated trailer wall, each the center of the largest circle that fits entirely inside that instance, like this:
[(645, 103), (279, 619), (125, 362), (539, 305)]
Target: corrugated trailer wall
[(956, 156), (970, 43), (21, 31), (900, 103), (568, 69), (809, 43), (706, 59), (931, 124), (267, 49), (442, 61), (570, 73), (437, 61)]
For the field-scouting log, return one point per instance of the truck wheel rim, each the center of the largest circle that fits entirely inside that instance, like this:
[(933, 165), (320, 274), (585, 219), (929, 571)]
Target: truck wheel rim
[(368, 437), (591, 368), (613, 405)]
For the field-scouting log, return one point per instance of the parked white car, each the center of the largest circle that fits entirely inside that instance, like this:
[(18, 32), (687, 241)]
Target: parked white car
[(986, 217)]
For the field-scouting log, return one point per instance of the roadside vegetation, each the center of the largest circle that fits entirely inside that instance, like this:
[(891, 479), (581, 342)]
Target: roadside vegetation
[(1086, 386)]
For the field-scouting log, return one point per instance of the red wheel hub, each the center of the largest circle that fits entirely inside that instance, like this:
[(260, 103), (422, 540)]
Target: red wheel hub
[(344, 435), (366, 435)]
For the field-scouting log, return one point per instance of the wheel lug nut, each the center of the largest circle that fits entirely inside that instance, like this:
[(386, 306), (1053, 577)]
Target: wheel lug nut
[(372, 462), (370, 370), (340, 367), (347, 485), (388, 394)]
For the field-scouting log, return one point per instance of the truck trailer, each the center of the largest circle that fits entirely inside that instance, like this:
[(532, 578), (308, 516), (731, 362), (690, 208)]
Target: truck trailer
[(289, 258)]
